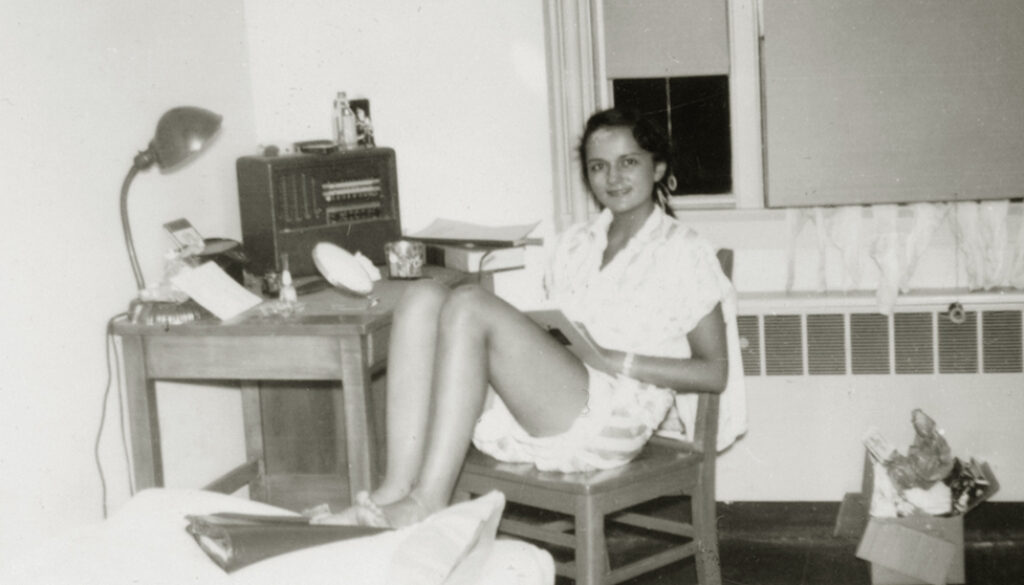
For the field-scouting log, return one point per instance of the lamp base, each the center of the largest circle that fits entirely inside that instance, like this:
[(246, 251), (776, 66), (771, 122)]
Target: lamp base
[(164, 313)]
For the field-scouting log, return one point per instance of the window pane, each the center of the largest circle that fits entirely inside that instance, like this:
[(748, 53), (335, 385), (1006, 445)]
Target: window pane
[(695, 112)]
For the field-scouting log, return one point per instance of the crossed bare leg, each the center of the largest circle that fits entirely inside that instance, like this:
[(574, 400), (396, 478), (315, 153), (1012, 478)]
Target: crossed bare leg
[(448, 346)]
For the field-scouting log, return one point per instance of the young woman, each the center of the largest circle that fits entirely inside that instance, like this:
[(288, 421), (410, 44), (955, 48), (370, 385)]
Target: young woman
[(645, 288)]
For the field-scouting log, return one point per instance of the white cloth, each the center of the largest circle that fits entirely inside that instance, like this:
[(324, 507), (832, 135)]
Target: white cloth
[(984, 258), (618, 422), (982, 236), (648, 298), (846, 232), (1017, 270), (927, 218), (885, 251), (146, 542)]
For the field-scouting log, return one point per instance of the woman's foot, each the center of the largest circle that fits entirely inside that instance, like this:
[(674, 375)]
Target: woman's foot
[(364, 512), (406, 512)]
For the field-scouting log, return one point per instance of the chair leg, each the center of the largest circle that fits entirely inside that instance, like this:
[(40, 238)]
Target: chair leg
[(592, 562), (705, 526)]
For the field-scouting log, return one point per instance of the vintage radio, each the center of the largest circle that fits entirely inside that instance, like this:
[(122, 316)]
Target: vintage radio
[(290, 203)]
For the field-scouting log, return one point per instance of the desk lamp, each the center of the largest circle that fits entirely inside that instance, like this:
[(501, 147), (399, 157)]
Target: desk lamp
[(181, 134)]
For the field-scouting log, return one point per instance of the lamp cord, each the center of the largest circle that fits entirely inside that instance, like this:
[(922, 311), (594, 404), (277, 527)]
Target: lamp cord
[(111, 350)]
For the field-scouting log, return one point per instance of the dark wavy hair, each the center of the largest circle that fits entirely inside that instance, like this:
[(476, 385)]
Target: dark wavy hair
[(647, 134)]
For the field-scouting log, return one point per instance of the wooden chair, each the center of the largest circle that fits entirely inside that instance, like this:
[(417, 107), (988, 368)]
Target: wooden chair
[(599, 500)]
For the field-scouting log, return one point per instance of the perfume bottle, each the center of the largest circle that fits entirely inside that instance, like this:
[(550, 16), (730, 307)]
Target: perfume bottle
[(287, 293)]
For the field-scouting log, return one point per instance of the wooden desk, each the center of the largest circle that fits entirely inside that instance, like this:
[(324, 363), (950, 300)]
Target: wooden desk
[(334, 337)]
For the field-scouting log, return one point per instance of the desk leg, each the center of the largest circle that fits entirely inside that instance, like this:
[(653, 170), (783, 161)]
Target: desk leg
[(252, 417), (352, 413), (147, 460)]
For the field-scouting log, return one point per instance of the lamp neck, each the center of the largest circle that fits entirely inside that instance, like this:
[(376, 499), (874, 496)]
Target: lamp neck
[(125, 225), (145, 158)]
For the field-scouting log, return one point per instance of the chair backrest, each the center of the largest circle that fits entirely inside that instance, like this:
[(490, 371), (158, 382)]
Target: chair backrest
[(705, 433)]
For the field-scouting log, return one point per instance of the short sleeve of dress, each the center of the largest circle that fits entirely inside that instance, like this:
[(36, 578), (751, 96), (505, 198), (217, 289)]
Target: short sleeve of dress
[(696, 279)]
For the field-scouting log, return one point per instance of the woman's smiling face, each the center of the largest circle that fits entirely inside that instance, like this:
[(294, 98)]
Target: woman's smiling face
[(621, 173)]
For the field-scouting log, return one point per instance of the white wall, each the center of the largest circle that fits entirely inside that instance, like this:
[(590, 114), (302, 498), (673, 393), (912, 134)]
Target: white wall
[(805, 437), (456, 87), (81, 89)]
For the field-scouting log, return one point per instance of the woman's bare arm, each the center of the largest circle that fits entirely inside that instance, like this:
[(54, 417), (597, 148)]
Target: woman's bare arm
[(707, 369)]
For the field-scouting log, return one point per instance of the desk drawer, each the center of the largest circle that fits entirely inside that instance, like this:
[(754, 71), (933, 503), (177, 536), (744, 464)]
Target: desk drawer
[(245, 357)]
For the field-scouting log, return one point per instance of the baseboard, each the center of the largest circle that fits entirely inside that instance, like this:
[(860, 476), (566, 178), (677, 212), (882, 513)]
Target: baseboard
[(989, 522)]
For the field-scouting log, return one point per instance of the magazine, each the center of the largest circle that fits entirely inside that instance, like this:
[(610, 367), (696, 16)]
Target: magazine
[(235, 540)]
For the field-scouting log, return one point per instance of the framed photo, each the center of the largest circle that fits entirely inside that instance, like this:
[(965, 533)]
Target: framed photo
[(364, 124), (185, 236)]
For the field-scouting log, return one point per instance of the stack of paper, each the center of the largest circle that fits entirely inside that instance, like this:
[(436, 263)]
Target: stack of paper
[(451, 232)]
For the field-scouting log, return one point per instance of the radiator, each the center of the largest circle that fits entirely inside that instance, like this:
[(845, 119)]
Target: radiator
[(810, 335)]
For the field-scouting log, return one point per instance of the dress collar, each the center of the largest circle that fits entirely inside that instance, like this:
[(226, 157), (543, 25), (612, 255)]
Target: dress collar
[(599, 227)]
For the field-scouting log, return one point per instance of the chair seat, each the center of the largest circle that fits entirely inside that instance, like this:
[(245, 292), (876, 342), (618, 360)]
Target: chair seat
[(659, 458)]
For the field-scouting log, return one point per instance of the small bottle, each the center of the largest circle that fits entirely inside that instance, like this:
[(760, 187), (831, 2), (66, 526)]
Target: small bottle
[(344, 122), (287, 294)]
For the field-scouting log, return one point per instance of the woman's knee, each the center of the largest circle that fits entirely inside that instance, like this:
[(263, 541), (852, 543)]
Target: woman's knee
[(424, 296), (465, 305)]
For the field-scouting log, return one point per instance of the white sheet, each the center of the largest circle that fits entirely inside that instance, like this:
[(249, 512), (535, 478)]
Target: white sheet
[(146, 543)]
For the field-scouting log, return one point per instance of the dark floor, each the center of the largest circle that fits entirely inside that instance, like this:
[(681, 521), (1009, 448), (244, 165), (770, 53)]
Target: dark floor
[(794, 544)]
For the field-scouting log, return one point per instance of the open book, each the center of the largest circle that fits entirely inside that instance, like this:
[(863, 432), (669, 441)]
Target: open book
[(559, 326), (460, 233), (236, 540)]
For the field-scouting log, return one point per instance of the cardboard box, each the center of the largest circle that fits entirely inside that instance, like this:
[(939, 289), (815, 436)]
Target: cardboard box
[(914, 549), (903, 551)]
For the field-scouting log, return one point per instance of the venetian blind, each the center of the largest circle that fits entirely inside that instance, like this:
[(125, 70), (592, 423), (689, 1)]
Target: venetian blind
[(873, 101), (665, 38)]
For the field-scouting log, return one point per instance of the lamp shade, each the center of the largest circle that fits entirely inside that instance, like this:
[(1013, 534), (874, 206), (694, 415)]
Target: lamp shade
[(182, 133)]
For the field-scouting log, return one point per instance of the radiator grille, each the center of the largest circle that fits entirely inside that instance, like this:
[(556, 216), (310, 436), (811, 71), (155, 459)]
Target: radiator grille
[(914, 342), (860, 343), (749, 331), (1001, 341), (958, 345), (826, 344), (783, 345), (869, 343)]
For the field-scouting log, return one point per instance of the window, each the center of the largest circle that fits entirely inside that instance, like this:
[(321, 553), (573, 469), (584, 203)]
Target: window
[(694, 112), (583, 59), (710, 38), (671, 60)]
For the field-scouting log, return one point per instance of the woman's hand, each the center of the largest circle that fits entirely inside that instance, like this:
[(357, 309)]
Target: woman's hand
[(610, 359), (706, 370)]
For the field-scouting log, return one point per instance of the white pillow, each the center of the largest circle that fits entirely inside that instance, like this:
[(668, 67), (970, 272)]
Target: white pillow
[(146, 542), (450, 546)]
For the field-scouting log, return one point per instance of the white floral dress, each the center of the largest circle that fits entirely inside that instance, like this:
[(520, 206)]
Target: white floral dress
[(645, 300)]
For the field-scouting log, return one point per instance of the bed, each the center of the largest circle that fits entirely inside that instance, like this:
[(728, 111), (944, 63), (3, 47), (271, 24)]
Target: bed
[(145, 542)]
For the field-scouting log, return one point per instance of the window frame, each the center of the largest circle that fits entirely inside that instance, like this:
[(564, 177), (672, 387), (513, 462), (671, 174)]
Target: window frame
[(578, 86)]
